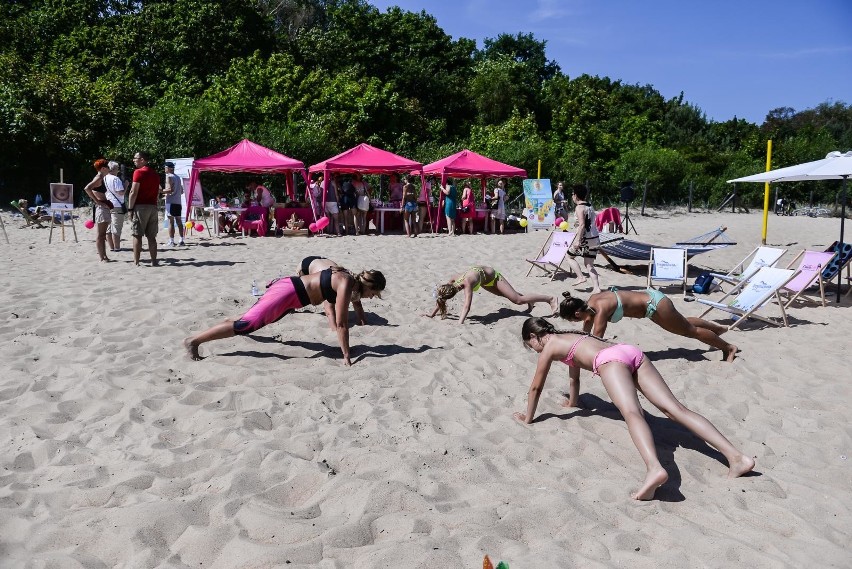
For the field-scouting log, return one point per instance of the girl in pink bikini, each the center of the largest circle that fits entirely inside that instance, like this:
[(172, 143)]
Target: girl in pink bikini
[(624, 371)]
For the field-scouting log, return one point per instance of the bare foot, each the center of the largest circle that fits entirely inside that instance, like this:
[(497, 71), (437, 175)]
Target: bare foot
[(653, 480), (740, 466), (192, 349), (730, 353), (554, 305), (580, 280)]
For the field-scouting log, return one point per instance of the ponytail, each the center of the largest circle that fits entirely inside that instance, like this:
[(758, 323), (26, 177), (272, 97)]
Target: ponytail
[(569, 307)]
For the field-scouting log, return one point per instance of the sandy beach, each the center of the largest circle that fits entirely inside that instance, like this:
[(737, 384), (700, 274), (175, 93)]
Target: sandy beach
[(118, 451)]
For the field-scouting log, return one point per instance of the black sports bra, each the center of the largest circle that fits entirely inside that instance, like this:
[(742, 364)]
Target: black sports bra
[(327, 291)]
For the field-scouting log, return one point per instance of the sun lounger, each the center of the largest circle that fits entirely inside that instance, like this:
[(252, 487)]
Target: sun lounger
[(752, 294), (639, 251), (810, 273), (760, 257), (841, 260), (550, 261)]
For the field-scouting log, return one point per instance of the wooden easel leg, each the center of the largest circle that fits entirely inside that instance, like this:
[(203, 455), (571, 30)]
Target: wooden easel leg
[(74, 227), (52, 223)]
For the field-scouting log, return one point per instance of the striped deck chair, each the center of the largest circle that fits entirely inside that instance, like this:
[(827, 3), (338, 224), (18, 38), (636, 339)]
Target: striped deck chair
[(810, 272), (752, 294), (639, 251), (550, 261)]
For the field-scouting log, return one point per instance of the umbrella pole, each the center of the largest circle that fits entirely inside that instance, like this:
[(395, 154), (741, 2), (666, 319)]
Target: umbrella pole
[(842, 223)]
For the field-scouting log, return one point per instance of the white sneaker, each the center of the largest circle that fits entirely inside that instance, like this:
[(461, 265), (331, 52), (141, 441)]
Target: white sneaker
[(182, 244), (170, 243)]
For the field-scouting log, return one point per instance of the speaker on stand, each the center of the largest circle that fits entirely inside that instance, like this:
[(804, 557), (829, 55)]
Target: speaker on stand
[(627, 196)]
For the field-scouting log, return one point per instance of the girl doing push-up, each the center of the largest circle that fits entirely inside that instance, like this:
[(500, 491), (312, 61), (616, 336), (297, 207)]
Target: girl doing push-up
[(624, 371)]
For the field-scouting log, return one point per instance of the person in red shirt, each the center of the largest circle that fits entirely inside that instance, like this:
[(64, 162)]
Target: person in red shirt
[(142, 206)]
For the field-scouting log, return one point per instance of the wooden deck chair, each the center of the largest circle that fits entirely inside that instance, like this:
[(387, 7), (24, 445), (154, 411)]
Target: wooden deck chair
[(28, 217), (760, 257), (667, 265), (810, 273), (841, 260), (752, 294), (550, 261)]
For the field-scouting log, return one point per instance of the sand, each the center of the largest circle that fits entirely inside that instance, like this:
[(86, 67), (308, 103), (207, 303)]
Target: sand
[(118, 451)]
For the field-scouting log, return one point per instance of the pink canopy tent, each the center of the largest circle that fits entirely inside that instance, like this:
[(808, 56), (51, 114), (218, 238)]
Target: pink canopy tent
[(365, 159), (469, 164), (246, 156)]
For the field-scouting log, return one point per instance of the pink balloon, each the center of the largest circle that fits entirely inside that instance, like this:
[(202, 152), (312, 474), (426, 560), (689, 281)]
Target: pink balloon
[(323, 222), (199, 227), (89, 224), (313, 227), (558, 221)]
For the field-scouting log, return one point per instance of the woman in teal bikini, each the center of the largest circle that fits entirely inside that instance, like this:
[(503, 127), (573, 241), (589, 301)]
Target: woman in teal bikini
[(480, 276), (613, 305)]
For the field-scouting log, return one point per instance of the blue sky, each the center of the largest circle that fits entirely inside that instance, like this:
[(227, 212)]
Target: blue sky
[(729, 58)]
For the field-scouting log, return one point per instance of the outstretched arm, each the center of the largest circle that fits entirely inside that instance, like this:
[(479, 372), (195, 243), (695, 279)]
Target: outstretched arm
[(573, 387), (599, 327), (359, 312), (341, 308), (541, 371), (468, 300)]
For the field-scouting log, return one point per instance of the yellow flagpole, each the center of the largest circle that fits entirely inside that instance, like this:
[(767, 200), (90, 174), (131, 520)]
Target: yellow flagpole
[(766, 192), (539, 169)]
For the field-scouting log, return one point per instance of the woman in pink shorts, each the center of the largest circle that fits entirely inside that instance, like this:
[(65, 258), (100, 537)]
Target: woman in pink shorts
[(335, 285), (624, 371)]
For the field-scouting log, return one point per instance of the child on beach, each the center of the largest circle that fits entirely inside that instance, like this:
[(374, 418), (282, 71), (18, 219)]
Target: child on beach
[(487, 278), (334, 284), (613, 305), (624, 371)]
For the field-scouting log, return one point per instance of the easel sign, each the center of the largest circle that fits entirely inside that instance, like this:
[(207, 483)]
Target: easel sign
[(61, 204)]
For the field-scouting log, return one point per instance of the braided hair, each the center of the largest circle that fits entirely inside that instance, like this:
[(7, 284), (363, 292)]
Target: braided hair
[(536, 327)]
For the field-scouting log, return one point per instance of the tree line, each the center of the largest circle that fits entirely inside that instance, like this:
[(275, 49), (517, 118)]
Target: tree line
[(81, 79)]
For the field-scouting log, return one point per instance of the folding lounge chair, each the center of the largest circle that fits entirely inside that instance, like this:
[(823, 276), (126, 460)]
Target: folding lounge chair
[(753, 294), (551, 261), (28, 217), (668, 265), (842, 259), (810, 272), (760, 257)]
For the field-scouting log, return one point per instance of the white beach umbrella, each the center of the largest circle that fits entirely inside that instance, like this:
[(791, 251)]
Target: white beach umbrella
[(835, 166)]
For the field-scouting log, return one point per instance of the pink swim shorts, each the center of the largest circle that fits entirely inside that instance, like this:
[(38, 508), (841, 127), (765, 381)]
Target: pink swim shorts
[(629, 355), (283, 296)]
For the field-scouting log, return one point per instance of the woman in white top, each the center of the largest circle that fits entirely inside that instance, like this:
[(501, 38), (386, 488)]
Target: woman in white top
[(114, 189), (586, 241)]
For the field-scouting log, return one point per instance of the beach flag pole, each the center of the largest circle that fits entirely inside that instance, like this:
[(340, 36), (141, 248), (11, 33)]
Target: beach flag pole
[(766, 192)]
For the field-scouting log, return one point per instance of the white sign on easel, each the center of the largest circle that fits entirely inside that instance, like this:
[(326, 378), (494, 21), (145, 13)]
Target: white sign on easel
[(61, 204)]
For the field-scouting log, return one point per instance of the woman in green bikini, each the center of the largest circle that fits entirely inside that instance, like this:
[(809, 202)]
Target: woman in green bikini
[(613, 305), (487, 278)]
